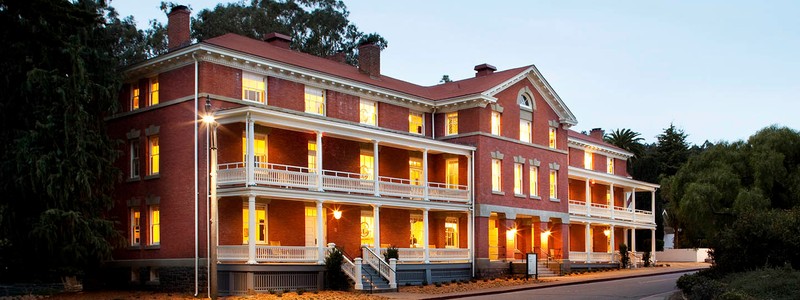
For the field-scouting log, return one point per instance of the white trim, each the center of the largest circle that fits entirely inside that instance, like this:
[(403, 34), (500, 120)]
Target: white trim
[(595, 147), (575, 173)]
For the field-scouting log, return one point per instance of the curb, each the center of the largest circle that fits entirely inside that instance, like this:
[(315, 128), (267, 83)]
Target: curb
[(511, 290)]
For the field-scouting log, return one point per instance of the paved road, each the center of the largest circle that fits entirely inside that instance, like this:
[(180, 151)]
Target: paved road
[(650, 288)]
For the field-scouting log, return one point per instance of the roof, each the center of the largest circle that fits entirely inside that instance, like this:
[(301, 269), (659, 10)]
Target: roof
[(591, 139), (469, 86)]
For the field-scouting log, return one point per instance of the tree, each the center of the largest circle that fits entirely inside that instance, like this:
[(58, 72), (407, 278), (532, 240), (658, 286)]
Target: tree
[(445, 79), (56, 172), (672, 150), (626, 139), (318, 27)]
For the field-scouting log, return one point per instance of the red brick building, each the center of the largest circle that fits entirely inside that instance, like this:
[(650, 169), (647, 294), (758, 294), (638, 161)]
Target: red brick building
[(313, 153)]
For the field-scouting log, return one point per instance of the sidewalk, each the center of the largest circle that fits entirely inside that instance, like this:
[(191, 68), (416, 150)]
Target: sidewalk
[(675, 267)]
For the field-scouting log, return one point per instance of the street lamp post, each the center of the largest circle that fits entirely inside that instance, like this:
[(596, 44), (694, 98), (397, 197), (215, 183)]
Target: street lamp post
[(214, 224)]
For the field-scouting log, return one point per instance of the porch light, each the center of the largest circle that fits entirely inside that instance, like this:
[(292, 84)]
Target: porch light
[(607, 232), (337, 214), (208, 119), (547, 233)]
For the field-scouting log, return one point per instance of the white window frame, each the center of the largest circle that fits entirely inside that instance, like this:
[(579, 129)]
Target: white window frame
[(553, 184), (135, 159), (246, 223), (415, 166), (154, 224), (497, 175), (496, 123), (367, 165), (152, 93), (588, 160), (610, 165), (451, 123), (451, 238), (312, 156), (254, 86), (553, 138), (260, 161), (416, 127), (451, 173), (136, 96), (313, 104), (534, 181), (518, 179), (525, 131), (368, 112), (153, 155), (527, 97), (135, 226)]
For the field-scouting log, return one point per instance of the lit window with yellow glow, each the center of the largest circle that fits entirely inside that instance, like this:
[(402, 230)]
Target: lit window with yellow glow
[(417, 231), (136, 234), (451, 123), (451, 173), (518, 179), (259, 149), (315, 101), (312, 156), (254, 88), (415, 171), (534, 181), (415, 122), (610, 165), (587, 160), (153, 99), (367, 163), (368, 112), (153, 152), (497, 175), (451, 232), (155, 225), (525, 131), (552, 137), (495, 123), (135, 97), (367, 228), (553, 184), (261, 223)]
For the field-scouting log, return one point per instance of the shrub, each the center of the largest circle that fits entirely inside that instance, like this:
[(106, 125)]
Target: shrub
[(391, 252), (335, 278), (300, 291), (646, 258), (624, 260)]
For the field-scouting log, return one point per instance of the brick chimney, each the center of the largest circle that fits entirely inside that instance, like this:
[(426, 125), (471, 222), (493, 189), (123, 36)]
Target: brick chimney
[(178, 28), (278, 40), (597, 133), (369, 59), (484, 69), (339, 57)]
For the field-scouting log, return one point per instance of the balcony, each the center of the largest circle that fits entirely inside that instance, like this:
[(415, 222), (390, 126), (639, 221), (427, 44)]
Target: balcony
[(278, 175), (603, 211)]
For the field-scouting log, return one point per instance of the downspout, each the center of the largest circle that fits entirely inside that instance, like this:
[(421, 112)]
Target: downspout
[(433, 123), (196, 191), (472, 209)]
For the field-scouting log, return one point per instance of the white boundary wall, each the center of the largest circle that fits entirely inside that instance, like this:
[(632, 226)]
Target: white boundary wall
[(683, 255)]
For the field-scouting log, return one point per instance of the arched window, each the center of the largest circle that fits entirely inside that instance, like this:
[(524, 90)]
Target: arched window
[(525, 100)]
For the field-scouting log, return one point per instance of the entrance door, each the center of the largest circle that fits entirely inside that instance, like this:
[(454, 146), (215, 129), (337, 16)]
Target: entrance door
[(493, 251), (311, 226)]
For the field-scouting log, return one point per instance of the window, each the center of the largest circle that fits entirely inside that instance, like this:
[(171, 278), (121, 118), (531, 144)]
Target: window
[(525, 131), (451, 232), (134, 97), (312, 156), (534, 184), (155, 225), (367, 163), (518, 179), (552, 137), (315, 101), (259, 149), (553, 184), (496, 175), (261, 223), (525, 100), (451, 123), (587, 160), (136, 234), (134, 158), (253, 88), (415, 122), (417, 230), (368, 112), (495, 123), (153, 153), (452, 173), (609, 165), (367, 226), (153, 99), (415, 171)]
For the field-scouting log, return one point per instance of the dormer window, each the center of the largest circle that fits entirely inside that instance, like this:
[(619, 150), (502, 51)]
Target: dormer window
[(525, 101)]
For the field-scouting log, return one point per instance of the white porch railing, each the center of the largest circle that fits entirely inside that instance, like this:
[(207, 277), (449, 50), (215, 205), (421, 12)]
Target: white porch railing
[(440, 254), (643, 216), (599, 210), (274, 254), (410, 254), (302, 177), (595, 257), (577, 207), (578, 256), (623, 213)]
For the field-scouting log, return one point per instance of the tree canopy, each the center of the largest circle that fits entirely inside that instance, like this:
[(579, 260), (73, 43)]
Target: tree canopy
[(730, 191), (626, 139), (56, 174)]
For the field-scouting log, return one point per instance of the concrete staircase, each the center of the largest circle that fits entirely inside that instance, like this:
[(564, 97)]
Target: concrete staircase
[(373, 281), (544, 271)]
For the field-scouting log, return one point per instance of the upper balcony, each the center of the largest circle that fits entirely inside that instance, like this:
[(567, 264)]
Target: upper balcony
[(602, 197), (284, 149)]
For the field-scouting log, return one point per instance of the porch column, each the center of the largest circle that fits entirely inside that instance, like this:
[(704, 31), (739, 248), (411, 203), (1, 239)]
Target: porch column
[(588, 198), (425, 174), (633, 239), (320, 235), (611, 242), (250, 158), (319, 161), (588, 242), (653, 207), (611, 201), (469, 176), (251, 229), (653, 245), (376, 174), (625, 236), (565, 241), (544, 239), (376, 208), (427, 255), (633, 204), (470, 235)]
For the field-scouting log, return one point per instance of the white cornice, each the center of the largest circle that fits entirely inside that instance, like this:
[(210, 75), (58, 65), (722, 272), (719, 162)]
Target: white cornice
[(616, 222), (464, 102), (594, 147), (575, 172), (544, 89)]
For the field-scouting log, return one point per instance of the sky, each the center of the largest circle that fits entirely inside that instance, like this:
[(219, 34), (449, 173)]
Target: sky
[(719, 70)]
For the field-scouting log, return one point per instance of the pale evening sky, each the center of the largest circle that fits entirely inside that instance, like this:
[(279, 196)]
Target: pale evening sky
[(720, 70)]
